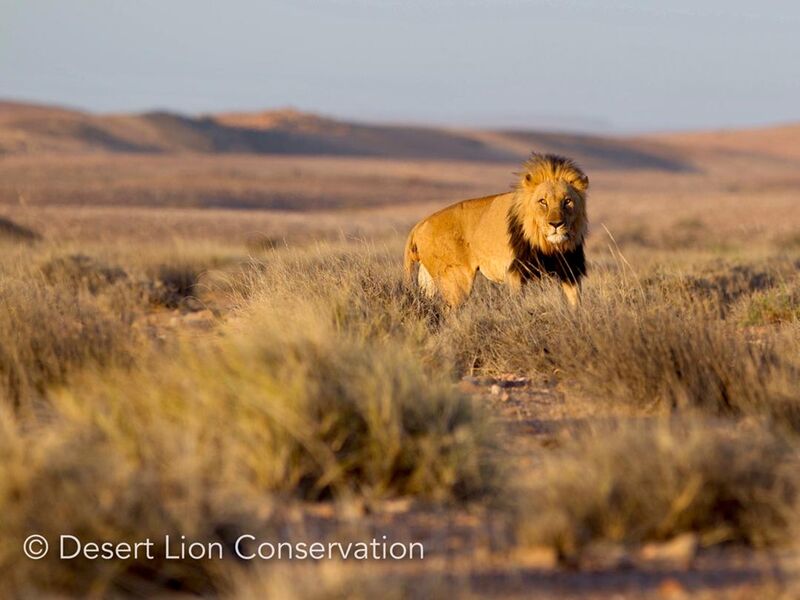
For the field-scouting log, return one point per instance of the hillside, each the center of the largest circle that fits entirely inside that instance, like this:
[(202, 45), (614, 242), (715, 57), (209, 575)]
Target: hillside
[(288, 160), (779, 142), (35, 129)]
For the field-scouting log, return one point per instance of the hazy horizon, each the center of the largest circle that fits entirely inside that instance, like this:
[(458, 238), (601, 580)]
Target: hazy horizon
[(579, 65)]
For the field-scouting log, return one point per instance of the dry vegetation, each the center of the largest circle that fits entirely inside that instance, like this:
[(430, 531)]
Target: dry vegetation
[(193, 390), (270, 373)]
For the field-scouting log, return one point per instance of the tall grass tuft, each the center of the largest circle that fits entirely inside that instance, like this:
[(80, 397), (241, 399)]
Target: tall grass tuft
[(211, 436), (655, 480), (49, 333)]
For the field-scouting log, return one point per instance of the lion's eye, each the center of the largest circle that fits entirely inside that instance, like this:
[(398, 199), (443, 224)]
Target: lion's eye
[(542, 201), (567, 201)]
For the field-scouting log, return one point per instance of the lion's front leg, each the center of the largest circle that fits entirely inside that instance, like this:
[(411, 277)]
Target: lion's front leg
[(514, 281), (572, 291)]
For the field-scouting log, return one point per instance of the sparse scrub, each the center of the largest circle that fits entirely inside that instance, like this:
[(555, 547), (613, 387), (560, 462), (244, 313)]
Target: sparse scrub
[(333, 383), (651, 343), (359, 291), (12, 232), (349, 414), (283, 406), (79, 271), (726, 285), (66, 311), (654, 354), (780, 304), (654, 480), (49, 333), (170, 277), (643, 344), (718, 286), (320, 397), (329, 414), (495, 333), (74, 477), (174, 284)]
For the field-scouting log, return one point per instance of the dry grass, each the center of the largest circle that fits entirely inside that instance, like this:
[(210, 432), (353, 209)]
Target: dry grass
[(655, 480), (236, 181), (218, 438), (65, 310), (650, 343), (50, 331), (283, 404), (16, 233), (324, 380), (777, 305), (664, 351)]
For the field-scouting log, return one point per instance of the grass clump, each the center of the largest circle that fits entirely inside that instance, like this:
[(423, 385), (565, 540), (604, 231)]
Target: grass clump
[(655, 480), (14, 233), (50, 333), (646, 344), (654, 355), (359, 291), (644, 348), (333, 381), (777, 305), (174, 284), (277, 410), (79, 271)]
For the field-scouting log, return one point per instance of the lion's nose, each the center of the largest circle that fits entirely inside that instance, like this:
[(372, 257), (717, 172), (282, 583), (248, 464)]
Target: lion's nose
[(556, 224)]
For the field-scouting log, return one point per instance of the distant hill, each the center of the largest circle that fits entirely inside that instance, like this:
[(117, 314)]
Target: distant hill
[(293, 161), (778, 142), (35, 129)]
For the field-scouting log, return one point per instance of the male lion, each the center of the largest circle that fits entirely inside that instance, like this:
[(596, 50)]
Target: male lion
[(536, 229)]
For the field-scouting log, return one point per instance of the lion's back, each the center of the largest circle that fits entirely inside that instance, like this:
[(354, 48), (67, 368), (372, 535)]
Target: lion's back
[(451, 227)]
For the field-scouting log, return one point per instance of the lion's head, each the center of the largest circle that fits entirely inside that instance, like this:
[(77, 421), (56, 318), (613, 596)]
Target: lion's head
[(550, 203)]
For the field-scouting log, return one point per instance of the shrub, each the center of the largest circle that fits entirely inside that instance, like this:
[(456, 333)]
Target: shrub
[(208, 438), (14, 233), (777, 305), (49, 333), (655, 480), (79, 271)]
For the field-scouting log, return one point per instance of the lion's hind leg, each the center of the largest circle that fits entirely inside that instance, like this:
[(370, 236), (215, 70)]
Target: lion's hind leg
[(455, 284), (425, 281)]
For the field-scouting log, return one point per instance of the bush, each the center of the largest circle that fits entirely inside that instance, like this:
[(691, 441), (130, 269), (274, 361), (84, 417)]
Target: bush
[(49, 333), (207, 439), (655, 480), (650, 344), (777, 305)]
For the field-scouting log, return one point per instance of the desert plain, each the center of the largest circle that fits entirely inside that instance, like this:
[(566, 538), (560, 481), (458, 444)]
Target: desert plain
[(206, 333)]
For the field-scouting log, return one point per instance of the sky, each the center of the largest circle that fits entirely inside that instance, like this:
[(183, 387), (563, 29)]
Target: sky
[(615, 65)]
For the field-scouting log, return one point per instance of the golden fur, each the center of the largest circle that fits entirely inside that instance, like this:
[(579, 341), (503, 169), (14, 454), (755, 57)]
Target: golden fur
[(536, 229)]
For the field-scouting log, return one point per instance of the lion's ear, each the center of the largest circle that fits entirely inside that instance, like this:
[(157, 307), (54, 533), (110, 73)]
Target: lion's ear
[(582, 182), (526, 182)]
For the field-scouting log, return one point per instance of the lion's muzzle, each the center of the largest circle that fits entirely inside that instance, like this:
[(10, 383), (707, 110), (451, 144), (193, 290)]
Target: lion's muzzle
[(559, 233)]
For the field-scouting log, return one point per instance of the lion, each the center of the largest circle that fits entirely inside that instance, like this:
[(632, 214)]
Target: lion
[(535, 230)]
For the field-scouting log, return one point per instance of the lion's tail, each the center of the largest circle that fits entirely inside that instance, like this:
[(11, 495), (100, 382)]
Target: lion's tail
[(410, 256)]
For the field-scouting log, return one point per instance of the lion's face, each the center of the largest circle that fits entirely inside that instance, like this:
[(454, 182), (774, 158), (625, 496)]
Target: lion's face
[(550, 204), (557, 207), (555, 214)]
